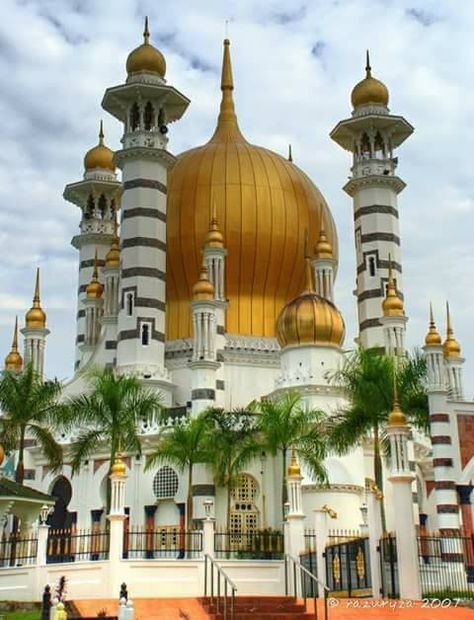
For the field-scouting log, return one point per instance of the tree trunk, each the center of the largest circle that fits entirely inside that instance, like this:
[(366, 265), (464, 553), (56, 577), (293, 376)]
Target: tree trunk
[(284, 490), (20, 468), (378, 474), (229, 495), (189, 507)]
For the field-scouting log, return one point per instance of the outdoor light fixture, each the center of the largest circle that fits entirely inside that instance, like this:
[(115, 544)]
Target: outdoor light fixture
[(363, 511), (208, 504), (44, 513)]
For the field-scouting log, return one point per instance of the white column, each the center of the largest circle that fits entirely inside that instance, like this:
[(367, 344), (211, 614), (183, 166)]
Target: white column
[(208, 527), (374, 521), (321, 528), (116, 518)]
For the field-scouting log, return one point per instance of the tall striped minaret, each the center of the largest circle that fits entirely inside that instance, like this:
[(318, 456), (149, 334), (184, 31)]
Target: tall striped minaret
[(372, 134), (145, 105)]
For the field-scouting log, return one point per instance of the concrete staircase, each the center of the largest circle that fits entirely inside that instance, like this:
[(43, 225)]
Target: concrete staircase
[(259, 608)]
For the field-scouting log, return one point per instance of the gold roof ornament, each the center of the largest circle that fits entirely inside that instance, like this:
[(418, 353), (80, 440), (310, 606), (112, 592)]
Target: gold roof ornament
[(99, 156), (392, 305), (118, 468), (369, 90), (309, 319), (264, 202), (290, 154), (112, 258), (95, 289), (396, 417), (323, 247), (294, 467), (36, 317), (13, 360), (145, 57), (214, 237), (432, 339), (203, 290), (451, 347)]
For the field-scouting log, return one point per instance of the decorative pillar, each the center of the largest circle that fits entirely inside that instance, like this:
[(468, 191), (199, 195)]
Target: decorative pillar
[(402, 478), (208, 530), (14, 361), (109, 319), (93, 309), (393, 320), (35, 331), (116, 517), (453, 361), (324, 265), (374, 521)]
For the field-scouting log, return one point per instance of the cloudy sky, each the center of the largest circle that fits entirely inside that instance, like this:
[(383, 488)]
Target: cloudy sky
[(295, 63)]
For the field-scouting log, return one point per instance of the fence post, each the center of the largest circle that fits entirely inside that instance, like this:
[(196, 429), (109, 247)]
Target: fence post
[(116, 519), (208, 529), (321, 527), (374, 521)]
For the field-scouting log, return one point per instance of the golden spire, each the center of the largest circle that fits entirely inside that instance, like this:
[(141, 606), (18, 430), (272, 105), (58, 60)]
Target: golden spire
[(35, 317), (101, 133), (227, 120), (308, 271), (432, 339), (290, 154), (146, 57), (13, 360), (368, 68), (214, 237), (323, 247), (95, 289), (294, 467), (112, 259), (369, 90), (203, 290), (146, 33), (451, 347), (392, 305), (396, 417)]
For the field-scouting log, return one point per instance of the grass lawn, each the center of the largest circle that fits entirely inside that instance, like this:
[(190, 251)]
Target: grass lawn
[(20, 615)]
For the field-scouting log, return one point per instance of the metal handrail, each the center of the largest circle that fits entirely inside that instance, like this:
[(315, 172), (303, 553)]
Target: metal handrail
[(227, 583), (303, 570)]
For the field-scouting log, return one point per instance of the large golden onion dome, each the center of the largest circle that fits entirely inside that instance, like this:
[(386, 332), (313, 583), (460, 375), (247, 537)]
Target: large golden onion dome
[(99, 156), (264, 204), (146, 57), (13, 361), (36, 317), (369, 90), (309, 319), (451, 347), (432, 338)]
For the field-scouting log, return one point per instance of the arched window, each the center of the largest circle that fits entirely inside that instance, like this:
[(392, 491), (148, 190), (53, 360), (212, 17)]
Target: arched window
[(129, 304), (149, 116), (102, 206), (145, 334), (165, 483), (135, 117), (379, 145), (365, 146), (372, 266)]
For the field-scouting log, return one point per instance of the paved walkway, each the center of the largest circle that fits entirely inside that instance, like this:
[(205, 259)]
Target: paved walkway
[(341, 609)]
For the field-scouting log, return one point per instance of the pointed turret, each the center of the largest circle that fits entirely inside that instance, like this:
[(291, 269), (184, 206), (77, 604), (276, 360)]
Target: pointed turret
[(203, 290), (14, 361), (95, 289), (392, 305), (35, 331), (432, 339), (227, 124), (451, 347), (36, 317), (214, 237)]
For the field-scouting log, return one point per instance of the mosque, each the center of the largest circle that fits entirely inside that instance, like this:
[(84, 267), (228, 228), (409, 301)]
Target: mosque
[(216, 287)]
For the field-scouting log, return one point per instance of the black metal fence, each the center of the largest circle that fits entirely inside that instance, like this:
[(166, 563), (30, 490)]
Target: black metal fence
[(446, 565), (77, 545), (348, 568), (308, 560), (389, 566), (18, 549), (257, 545), (165, 542)]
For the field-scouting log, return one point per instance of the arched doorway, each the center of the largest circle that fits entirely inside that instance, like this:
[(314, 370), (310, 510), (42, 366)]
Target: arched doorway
[(61, 518)]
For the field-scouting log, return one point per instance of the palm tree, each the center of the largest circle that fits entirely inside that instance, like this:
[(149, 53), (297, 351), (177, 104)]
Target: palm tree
[(367, 378), (287, 423), (110, 413), (184, 445), (31, 408), (232, 446)]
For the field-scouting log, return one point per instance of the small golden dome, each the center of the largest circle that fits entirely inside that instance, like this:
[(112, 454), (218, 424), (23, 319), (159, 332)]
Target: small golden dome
[(214, 237), (203, 289), (146, 57), (369, 90), (294, 467), (451, 347), (99, 156), (13, 360), (118, 468), (112, 258), (323, 247), (95, 289), (36, 317), (309, 318), (392, 305), (432, 339), (397, 417)]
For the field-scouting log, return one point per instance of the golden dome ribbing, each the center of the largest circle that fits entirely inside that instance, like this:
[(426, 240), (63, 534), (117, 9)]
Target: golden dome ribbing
[(264, 203), (203, 290), (146, 57), (432, 339), (392, 305), (451, 347), (310, 319), (36, 317), (95, 289), (13, 360), (99, 156), (369, 90)]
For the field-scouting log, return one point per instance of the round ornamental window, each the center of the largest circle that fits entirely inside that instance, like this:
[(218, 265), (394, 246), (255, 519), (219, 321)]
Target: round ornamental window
[(165, 483)]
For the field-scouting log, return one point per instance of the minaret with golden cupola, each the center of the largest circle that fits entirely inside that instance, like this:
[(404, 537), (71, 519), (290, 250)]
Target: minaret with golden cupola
[(35, 331), (393, 318), (93, 306), (98, 197), (146, 105), (14, 361), (324, 265), (372, 134), (453, 360)]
